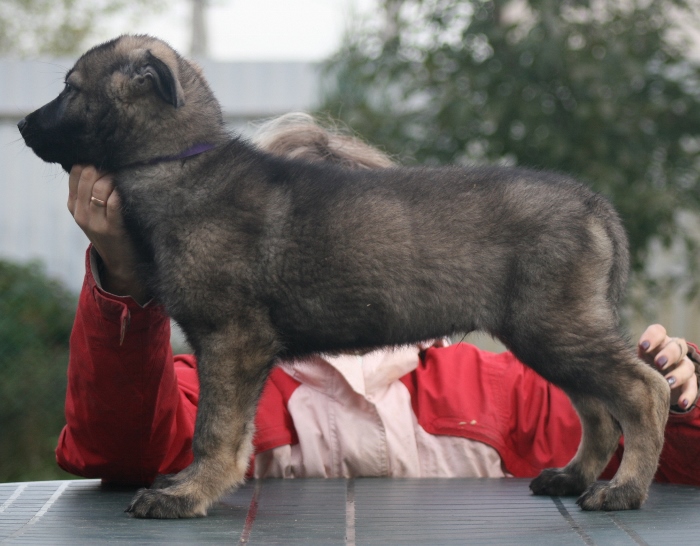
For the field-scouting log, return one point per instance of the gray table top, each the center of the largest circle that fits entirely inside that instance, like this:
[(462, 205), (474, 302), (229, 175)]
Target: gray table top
[(360, 511)]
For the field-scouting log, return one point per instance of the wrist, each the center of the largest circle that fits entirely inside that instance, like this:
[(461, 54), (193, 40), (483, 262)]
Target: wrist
[(118, 281), (123, 286)]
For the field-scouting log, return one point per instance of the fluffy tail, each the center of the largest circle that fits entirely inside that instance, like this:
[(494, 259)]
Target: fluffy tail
[(619, 268)]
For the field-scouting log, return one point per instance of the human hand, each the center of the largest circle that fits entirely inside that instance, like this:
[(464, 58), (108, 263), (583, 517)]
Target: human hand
[(670, 356), (96, 208)]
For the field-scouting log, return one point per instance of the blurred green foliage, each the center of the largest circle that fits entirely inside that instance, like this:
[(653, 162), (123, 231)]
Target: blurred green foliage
[(62, 27), (36, 317), (602, 90)]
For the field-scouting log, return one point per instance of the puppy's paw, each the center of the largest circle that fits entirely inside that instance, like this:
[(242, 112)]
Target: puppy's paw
[(159, 503), (558, 482), (605, 496)]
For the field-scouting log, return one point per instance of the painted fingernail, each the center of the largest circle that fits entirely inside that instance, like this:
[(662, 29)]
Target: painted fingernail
[(684, 403), (645, 345), (661, 362), (671, 380)]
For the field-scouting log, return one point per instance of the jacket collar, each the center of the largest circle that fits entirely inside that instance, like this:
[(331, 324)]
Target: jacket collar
[(366, 374)]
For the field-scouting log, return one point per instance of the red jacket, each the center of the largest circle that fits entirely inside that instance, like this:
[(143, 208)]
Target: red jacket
[(131, 405)]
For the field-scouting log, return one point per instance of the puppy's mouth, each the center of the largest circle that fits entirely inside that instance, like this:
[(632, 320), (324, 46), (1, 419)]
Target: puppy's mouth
[(67, 166), (52, 149)]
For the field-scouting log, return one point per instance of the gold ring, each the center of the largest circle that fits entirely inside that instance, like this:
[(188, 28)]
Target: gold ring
[(97, 202)]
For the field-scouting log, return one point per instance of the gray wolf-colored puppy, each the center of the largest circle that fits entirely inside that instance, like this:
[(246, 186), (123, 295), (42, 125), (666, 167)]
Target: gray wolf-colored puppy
[(260, 258)]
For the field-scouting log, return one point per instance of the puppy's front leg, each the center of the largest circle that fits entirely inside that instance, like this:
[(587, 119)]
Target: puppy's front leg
[(232, 365)]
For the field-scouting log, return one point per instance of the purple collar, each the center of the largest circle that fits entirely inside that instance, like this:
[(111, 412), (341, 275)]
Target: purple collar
[(189, 152)]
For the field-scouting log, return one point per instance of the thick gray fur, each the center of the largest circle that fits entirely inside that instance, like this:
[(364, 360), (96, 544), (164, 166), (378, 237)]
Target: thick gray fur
[(260, 258)]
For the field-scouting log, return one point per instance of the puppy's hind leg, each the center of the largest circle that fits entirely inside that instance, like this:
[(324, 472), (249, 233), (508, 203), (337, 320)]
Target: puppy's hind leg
[(233, 364), (598, 442), (609, 386), (612, 387), (641, 407)]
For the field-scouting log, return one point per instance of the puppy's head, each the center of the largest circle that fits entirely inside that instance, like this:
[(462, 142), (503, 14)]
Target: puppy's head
[(123, 102)]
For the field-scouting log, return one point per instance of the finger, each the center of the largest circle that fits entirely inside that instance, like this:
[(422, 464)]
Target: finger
[(73, 179), (680, 374), (689, 396), (673, 351), (682, 345), (84, 210), (87, 180), (103, 188), (652, 338), (102, 191), (114, 207), (687, 390)]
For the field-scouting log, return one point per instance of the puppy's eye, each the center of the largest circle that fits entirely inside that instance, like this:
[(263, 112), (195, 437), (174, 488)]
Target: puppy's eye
[(68, 88)]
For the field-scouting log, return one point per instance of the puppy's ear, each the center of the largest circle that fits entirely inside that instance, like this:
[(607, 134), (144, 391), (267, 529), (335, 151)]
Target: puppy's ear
[(164, 80)]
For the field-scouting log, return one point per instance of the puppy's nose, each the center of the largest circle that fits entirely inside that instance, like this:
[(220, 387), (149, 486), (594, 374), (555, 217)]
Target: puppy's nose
[(21, 124)]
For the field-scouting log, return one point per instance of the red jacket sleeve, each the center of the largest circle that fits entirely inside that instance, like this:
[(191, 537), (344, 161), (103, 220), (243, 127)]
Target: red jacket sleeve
[(130, 407)]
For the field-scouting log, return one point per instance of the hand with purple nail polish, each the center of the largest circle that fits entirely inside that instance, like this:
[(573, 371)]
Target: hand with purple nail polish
[(669, 355)]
